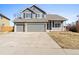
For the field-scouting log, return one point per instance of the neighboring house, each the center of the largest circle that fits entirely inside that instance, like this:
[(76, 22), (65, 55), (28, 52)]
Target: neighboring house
[(4, 23), (34, 19)]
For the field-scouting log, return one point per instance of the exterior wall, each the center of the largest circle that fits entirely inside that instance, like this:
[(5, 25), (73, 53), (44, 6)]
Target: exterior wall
[(61, 28), (38, 12), (26, 26), (15, 28), (33, 15), (58, 28), (27, 12), (4, 21)]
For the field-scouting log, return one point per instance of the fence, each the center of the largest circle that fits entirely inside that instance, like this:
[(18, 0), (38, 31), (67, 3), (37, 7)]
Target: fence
[(6, 29)]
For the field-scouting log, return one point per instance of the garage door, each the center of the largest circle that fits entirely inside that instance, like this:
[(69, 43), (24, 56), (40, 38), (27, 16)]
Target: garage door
[(19, 27), (36, 27)]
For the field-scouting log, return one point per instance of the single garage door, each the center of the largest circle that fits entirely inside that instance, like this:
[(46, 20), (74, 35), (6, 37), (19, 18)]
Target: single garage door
[(36, 27), (19, 27)]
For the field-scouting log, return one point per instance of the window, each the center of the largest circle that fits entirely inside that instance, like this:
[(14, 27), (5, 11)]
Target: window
[(3, 24), (57, 25), (28, 15), (42, 15), (23, 15), (38, 15)]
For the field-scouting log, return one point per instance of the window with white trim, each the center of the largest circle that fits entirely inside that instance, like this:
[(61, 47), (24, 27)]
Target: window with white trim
[(23, 15), (28, 15), (38, 15), (57, 25)]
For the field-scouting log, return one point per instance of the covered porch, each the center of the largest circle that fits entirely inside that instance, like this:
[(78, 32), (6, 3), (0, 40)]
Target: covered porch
[(55, 25)]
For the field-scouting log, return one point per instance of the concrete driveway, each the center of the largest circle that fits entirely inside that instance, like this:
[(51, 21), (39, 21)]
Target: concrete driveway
[(28, 43)]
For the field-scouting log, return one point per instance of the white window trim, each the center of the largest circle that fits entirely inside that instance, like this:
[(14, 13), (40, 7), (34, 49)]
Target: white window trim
[(57, 23), (28, 17)]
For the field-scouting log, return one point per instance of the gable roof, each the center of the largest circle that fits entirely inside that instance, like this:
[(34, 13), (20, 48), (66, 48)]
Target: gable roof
[(29, 10), (38, 8), (55, 17), (4, 16)]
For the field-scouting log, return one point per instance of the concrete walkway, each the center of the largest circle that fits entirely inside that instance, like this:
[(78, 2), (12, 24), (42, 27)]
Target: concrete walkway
[(31, 43)]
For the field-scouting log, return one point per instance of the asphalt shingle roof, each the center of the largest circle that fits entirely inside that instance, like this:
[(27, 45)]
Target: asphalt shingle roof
[(48, 17), (55, 17), (4, 16)]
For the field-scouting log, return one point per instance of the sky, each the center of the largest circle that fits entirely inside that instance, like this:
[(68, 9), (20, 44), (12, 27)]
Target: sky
[(69, 11)]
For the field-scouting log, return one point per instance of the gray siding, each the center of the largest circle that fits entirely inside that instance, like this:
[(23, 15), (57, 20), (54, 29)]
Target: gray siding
[(27, 12), (38, 12)]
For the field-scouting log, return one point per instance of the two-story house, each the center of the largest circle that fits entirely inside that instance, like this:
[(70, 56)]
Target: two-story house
[(34, 19)]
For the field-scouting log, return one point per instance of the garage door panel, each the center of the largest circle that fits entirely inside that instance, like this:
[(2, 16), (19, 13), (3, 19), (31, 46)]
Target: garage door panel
[(35, 27), (19, 27)]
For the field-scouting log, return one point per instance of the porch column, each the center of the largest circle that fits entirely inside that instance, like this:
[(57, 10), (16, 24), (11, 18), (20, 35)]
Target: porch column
[(45, 26), (62, 26), (15, 28), (51, 25), (25, 27)]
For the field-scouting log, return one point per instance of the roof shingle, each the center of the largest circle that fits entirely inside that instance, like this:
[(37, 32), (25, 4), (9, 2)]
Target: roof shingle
[(48, 17), (4, 16), (55, 17)]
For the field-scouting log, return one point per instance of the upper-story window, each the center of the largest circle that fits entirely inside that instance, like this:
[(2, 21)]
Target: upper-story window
[(27, 15), (42, 15), (38, 15), (23, 15)]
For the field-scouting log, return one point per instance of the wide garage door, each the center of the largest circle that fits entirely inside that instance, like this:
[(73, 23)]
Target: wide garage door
[(19, 27), (36, 27)]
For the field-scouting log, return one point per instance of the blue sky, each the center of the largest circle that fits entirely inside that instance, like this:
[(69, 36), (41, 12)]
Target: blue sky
[(70, 11)]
